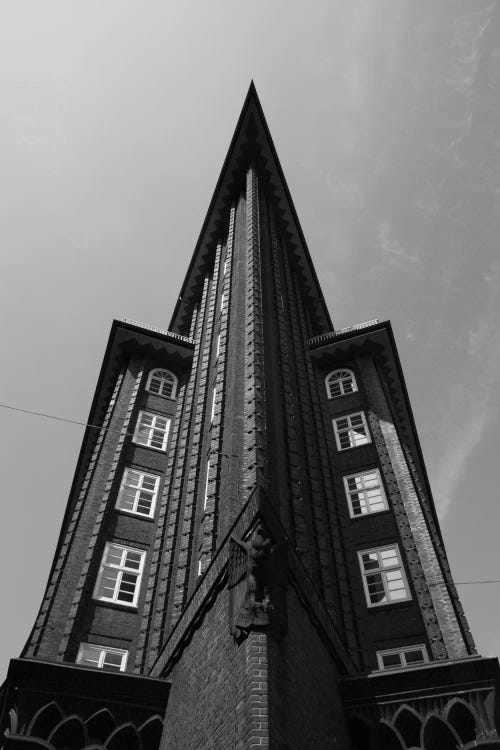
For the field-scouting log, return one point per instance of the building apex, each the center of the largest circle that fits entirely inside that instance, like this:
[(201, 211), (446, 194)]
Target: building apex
[(251, 143)]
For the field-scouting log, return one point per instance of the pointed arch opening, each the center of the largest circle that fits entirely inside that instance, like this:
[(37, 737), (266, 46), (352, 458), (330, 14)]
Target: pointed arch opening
[(409, 725), (45, 720), (69, 734), (462, 719), (100, 725), (438, 735)]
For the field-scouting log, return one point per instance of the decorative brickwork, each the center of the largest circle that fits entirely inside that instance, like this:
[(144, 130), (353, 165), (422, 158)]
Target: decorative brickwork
[(103, 507), (253, 605), (436, 539), (188, 557), (165, 593), (151, 581), (422, 562), (254, 413), (66, 547), (208, 507)]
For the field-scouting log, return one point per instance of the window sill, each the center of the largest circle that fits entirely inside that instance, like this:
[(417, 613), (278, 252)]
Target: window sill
[(123, 606), (150, 447), (172, 399), (131, 514), (354, 447), (389, 605), (371, 515)]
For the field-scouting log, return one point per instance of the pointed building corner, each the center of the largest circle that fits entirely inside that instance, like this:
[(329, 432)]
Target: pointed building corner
[(250, 554)]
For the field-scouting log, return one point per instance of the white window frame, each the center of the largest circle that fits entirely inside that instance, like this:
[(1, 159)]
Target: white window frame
[(150, 429), (402, 653), (386, 576), (122, 571), (340, 371), (101, 653), (218, 345), (138, 490), (354, 440), (222, 302), (174, 381), (364, 490)]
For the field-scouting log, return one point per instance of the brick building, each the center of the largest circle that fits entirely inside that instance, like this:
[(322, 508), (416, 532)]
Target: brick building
[(250, 554)]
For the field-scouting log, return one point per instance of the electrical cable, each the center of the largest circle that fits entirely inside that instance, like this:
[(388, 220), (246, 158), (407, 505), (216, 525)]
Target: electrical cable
[(109, 429)]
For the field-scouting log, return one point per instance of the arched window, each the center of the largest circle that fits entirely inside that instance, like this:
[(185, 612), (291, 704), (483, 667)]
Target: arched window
[(162, 382), (340, 383)]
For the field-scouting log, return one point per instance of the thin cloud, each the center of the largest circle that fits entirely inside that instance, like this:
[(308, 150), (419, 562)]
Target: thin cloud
[(473, 398), (392, 251)]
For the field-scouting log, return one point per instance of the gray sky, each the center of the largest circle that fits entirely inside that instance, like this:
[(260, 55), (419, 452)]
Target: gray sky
[(114, 124)]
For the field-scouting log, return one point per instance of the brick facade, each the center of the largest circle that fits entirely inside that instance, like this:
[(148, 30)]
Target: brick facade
[(253, 611)]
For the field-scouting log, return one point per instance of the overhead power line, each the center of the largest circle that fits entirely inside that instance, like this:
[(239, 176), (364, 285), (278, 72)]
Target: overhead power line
[(109, 429)]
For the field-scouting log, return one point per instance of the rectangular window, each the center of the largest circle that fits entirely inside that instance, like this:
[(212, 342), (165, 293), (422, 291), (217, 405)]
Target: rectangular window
[(152, 430), (218, 346), (138, 493), (351, 431), (120, 575), (383, 576), (365, 493), (102, 657), (224, 271), (408, 656)]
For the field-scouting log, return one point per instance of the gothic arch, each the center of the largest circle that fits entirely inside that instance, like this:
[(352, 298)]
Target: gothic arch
[(100, 725), (409, 724), (151, 731), (463, 719), (69, 734), (124, 737), (438, 735), (45, 719)]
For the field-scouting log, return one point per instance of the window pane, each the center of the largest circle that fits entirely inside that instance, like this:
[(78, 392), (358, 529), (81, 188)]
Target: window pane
[(133, 560), (414, 657), (107, 583), (391, 660), (113, 659), (370, 560)]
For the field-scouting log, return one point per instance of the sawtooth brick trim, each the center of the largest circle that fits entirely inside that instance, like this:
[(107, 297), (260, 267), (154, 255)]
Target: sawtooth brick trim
[(428, 583), (162, 507), (296, 516), (162, 611), (445, 566), (286, 509), (299, 458), (254, 398), (201, 410), (328, 525), (207, 530), (53, 585), (96, 531)]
